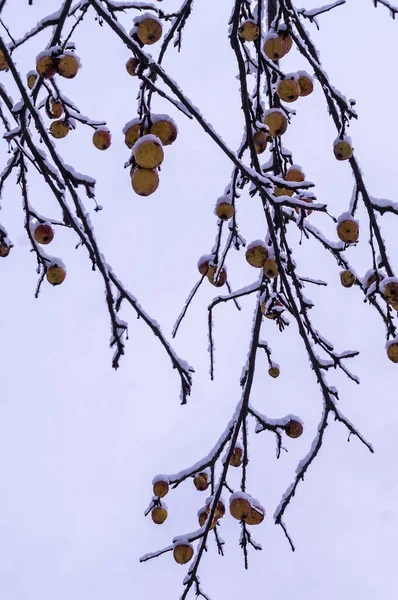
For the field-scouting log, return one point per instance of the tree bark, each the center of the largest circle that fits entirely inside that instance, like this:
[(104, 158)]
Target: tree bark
[(272, 7)]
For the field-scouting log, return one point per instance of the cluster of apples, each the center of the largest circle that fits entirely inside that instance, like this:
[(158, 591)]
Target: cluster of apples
[(290, 87), (275, 46), (388, 285), (272, 310), (259, 257), (241, 506), (67, 65), (348, 279), (48, 64), (44, 234), (295, 174), (206, 267), (147, 144), (245, 508), (389, 289), (294, 86), (224, 210), (147, 31)]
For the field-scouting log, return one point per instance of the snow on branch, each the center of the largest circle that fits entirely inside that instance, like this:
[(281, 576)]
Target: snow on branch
[(314, 12), (393, 9)]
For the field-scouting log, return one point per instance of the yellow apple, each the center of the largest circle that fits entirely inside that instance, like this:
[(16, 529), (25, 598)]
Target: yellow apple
[(295, 173), (159, 515), (165, 130), (348, 231), (221, 279), (260, 139), (306, 84), (31, 79), (342, 150), (132, 134), (202, 517), (203, 263), (160, 488), (54, 109), (347, 279), (239, 506), (132, 66), (224, 210), (276, 122), (372, 278), (256, 515), (182, 552), (68, 65), (390, 291), (270, 268), (275, 47), (59, 129), (46, 65), (236, 457), (148, 154), (149, 31), (55, 275), (102, 139), (144, 181), (274, 372), (288, 90), (392, 352), (220, 510), (256, 254), (200, 481), (286, 37), (281, 191), (249, 31), (43, 233)]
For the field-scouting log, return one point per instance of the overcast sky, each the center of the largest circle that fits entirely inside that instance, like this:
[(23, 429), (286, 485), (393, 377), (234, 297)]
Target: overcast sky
[(80, 443)]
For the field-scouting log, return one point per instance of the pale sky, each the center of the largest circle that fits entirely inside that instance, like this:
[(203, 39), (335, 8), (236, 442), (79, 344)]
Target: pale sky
[(80, 443)]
